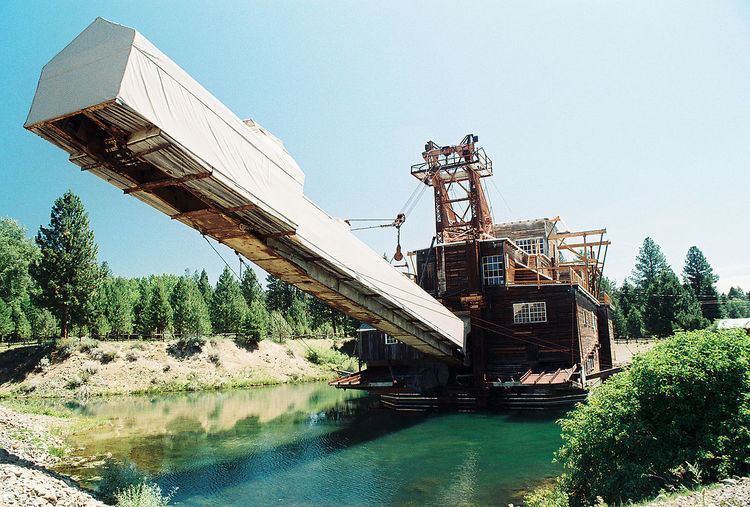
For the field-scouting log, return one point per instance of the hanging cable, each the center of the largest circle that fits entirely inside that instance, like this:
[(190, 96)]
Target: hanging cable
[(221, 257)]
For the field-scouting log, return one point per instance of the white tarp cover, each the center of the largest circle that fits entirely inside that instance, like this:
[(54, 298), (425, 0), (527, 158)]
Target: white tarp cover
[(112, 62)]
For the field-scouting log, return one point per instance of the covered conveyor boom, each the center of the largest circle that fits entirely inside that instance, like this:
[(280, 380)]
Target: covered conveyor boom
[(128, 114)]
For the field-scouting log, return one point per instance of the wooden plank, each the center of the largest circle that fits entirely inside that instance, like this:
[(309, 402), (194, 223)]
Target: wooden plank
[(561, 235), (169, 182), (566, 246)]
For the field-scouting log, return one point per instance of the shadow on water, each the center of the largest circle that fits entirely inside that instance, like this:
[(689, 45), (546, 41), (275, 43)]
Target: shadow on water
[(314, 445)]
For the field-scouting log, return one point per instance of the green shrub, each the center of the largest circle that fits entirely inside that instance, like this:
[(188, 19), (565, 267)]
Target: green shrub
[(116, 477), (142, 495), (546, 496), (331, 358), (679, 416)]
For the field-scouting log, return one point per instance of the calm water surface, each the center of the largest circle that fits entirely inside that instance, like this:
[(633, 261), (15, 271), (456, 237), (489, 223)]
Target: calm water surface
[(311, 444)]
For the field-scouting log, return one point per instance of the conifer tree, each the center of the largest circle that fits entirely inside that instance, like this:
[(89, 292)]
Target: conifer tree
[(16, 254), (6, 322), (228, 306), (141, 309), (255, 323), (67, 272), (279, 295), (160, 310), (190, 311), (298, 316), (251, 289), (204, 285), (118, 307), (699, 277), (21, 325), (650, 265), (43, 324)]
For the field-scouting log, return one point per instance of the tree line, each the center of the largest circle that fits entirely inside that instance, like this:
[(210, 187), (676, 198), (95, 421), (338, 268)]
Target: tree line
[(653, 301), (54, 286)]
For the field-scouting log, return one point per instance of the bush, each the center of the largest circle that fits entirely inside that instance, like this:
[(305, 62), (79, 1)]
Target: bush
[(546, 496), (90, 368), (103, 356), (679, 416), (331, 358), (279, 329), (214, 358), (142, 495), (117, 477)]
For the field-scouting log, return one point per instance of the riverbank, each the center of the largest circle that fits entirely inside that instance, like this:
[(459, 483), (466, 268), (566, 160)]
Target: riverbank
[(96, 368), (729, 493), (28, 452)]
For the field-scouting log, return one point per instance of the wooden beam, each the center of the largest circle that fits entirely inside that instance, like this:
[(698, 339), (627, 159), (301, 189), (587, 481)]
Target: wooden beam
[(193, 213), (566, 246), (561, 235), (169, 182)]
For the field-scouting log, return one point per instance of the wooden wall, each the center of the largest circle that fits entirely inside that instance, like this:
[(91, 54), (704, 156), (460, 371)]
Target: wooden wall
[(374, 351), (545, 345)]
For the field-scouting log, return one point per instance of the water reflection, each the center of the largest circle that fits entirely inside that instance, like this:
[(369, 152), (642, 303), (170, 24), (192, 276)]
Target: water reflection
[(314, 445)]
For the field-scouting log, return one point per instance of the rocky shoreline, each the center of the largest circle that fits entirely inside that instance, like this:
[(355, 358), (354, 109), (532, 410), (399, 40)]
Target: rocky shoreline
[(28, 451)]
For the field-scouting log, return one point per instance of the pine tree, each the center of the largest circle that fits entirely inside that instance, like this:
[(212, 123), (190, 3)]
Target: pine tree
[(118, 309), (16, 254), (279, 329), (634, 325), (699, 277), (650, 265), (142, 307), (279, 295), (6, 322), (228, 306), (298, 317), (160, 310), (251, 289), (204, 285), (43, 324), (190, 311), (67, 272), (21, 325), (255, 323)]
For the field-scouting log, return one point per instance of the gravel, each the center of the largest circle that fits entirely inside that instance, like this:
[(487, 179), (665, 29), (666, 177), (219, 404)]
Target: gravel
[(25, 476), (732, 493)]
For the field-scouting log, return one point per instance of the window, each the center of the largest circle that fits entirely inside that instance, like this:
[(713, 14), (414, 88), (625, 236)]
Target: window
[(390, 340), (590, 364), (530, 245), (492, 270), (526, 313)]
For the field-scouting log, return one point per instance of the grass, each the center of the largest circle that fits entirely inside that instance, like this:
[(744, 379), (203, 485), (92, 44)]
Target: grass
[(331, 358)]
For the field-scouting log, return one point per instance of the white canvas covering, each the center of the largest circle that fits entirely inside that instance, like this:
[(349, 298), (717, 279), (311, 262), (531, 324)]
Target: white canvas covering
[(122, 81)]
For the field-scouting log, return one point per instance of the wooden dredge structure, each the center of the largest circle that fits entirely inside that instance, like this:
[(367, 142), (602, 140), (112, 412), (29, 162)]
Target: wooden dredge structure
[(538, 326), (508, 314)]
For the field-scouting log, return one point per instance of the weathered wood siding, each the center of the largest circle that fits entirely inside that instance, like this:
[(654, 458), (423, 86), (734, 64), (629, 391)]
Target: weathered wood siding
[(374, 351), (587, 323), (542, 345), (606, 336)]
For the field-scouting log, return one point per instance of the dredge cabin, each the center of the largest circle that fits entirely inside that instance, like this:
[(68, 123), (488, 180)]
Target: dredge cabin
[(538, 327)]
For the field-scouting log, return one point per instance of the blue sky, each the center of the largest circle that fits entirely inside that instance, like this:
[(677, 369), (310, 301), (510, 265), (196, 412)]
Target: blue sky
[(630, 115)]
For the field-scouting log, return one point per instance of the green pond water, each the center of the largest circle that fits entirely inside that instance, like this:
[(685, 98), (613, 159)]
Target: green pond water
[(311, 444)]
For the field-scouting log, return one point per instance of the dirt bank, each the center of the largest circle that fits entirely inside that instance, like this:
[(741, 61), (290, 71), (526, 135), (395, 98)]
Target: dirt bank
[(27, 452), (93, 368)]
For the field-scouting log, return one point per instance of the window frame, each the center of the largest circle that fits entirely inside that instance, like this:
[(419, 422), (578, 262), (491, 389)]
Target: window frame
[(531, 245), (390, 340), (523, 313), (497, 271)]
